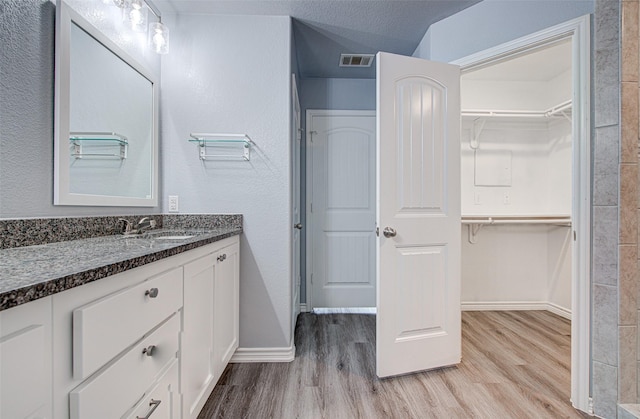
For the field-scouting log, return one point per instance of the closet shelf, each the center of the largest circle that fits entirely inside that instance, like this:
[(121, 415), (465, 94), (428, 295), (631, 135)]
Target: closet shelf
[(229, 146), (517, 219), (98, 145), (476, 222), (560, 110)]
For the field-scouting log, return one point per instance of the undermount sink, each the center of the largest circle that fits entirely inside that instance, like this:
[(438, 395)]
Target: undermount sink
[(173, 237), (165, 235)]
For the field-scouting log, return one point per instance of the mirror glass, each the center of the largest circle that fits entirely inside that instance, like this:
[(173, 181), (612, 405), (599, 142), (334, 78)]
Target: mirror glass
[(106, 134)]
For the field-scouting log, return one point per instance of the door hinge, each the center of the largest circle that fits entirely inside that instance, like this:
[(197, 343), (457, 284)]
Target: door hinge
[(311, 278), (575, 235), (311, 210), (377, 231), (311, 135)]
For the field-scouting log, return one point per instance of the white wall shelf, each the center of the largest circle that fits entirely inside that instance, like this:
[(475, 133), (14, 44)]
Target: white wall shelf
[(228, 146)]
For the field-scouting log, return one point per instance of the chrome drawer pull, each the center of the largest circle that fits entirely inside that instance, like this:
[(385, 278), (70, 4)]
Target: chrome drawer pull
[(154, 405), (149, 350), (152, 293)]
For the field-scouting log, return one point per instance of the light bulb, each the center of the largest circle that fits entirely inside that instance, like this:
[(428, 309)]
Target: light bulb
[(159, 37), (138, 16)]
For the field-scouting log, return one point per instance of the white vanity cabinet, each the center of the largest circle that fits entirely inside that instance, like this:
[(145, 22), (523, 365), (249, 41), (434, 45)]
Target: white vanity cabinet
[(210, 327), (100, 331), (149, 342), (25, 361)]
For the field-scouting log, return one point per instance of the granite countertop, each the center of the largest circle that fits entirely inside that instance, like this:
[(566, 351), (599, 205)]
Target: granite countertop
[(33, 272)]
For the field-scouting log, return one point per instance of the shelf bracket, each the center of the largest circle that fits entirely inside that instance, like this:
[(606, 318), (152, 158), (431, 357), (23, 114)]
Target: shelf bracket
[(478, 126), (472, 231)]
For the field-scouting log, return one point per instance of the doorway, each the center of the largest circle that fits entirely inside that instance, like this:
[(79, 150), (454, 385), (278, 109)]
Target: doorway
[(341, 202), (571, 37)]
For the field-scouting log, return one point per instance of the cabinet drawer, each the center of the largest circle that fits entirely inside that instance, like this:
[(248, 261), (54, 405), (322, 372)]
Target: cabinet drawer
[(163, 400), (105, 327), (117, 388)]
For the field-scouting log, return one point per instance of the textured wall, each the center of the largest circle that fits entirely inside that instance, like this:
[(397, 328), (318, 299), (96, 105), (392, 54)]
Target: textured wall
[(493, 22), (27, 33), (232, 74)]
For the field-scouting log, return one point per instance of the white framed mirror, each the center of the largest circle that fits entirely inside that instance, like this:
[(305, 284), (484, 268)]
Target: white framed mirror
[(106, 120)]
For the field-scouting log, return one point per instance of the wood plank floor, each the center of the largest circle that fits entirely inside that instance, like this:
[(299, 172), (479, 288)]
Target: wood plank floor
[(514, 365)]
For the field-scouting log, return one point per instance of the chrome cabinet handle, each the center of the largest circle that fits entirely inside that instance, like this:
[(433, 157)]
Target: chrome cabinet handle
[(389, 232), (154, 405), (149, 350), (152, 293), (222, 257), (298, 226)]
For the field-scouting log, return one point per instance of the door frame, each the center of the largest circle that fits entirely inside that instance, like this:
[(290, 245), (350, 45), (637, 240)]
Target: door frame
[(296, 139), (578, 30), (310, 113)]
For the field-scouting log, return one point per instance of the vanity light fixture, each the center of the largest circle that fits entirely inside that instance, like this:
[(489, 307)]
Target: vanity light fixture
[(137, 13), (158, 31), (138, 16)]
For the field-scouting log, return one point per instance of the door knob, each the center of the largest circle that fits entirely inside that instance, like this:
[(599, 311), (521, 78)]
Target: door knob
[(298, 226), (389, 232)]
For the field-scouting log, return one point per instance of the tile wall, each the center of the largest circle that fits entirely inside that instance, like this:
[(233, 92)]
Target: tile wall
[(616, 206), (628, 361), (616, 315)]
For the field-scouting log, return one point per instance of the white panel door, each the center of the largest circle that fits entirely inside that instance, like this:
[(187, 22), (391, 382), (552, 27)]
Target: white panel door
[(343, 209), (418, 190)]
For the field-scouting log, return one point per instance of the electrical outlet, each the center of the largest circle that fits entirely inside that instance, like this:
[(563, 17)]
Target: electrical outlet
[(506, 198), (173, 203)]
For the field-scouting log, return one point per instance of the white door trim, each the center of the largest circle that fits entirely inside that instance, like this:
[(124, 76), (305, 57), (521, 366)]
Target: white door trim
[(309, 184), (296, 138), (579, 32)]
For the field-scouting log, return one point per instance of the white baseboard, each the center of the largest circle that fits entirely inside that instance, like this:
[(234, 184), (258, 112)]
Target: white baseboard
[(246, 355), (346, 310), (560, 311), (515, 306)]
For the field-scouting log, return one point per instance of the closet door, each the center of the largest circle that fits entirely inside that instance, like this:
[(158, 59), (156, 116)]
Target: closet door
[(418, 193)]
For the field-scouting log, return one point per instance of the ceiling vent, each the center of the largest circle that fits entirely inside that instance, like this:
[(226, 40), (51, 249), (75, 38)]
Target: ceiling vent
[(356, 60)]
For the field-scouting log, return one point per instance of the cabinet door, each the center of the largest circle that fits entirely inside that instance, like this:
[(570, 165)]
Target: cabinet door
[(25, 361), (226, 307), (197, 369)]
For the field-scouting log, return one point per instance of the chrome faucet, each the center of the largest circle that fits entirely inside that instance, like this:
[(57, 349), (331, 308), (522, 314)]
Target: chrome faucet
[(144, 224)]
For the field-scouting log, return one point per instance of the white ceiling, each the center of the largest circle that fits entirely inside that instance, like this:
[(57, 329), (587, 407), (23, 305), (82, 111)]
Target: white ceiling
[(323, 29), (542, 64)]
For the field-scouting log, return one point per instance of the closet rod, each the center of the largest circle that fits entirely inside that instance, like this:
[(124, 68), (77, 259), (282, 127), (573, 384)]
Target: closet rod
[(474, 224), (517, 220)]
